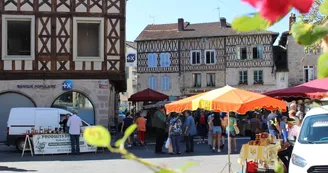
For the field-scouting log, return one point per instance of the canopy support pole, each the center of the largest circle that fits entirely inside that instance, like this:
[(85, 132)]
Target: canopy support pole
[(229, 148)]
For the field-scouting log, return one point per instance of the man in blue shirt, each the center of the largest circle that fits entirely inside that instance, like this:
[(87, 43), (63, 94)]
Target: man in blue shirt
[(189, 132)]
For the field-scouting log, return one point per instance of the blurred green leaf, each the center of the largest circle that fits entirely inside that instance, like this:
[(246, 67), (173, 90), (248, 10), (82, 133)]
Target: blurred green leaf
[(119, 142), (164, 170), (130, 130), (97, 136), (324, 7), (278, 168), (187, 165), (308, 34), (315, 104), (249, 23), (323, 66)]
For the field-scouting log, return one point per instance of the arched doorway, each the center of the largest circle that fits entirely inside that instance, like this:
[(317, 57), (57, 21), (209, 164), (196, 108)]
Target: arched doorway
[(74, 100), (10, 100)]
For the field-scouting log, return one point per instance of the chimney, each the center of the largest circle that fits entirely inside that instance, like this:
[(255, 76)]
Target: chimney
[(180, 24), (223, 22), (292, 19)]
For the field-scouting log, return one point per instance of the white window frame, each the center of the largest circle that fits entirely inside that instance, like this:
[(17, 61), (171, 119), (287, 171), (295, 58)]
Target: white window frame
[(257, 53), (309, 74), (205, 58), (200, 56), (258, 76), (243, 72), (99, 20), (6, 18), (239, 54), (210, 74)]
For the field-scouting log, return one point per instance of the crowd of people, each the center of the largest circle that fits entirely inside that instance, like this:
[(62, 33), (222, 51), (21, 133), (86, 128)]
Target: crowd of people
[(213, 127)]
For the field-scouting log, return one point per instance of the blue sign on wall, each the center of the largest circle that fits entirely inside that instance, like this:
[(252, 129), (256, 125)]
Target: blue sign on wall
[(131, 58), (67, 85)]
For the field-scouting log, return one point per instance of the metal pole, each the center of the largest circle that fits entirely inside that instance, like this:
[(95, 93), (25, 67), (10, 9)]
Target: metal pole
[(229, 144)]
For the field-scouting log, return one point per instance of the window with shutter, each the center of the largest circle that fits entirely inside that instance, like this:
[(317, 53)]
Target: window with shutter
[(243, 53), (258, 77), (308, 73), (165, 83), (195, 57), (260, 51), (152, 60), (237, 52), (243, 77), (210, 57)]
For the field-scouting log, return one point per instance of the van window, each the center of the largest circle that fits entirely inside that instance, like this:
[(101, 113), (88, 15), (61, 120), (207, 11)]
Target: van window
[(314, 130), (84, 124)]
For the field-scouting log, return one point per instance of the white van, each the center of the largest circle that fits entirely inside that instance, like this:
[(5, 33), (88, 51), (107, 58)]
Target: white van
[(311, 146), (22, 119)]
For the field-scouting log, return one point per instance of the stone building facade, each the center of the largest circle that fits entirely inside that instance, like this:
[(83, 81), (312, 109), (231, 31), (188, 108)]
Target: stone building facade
[(302, 63), (47, 45), (183, 59)]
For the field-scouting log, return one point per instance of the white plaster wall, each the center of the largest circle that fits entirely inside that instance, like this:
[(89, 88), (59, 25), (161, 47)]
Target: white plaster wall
[(174, 81), (232, 76), (282, 80)]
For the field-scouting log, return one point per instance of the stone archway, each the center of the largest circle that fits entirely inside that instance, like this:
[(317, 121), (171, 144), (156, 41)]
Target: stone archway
[(9, 100), (76, 100)]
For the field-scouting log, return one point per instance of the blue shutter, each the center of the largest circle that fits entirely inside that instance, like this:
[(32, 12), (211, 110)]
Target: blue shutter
[(161, 61), (163, 83), (168, 60), (155, 59), (150, 82), (149, 56), (154, 83), (168, 83)]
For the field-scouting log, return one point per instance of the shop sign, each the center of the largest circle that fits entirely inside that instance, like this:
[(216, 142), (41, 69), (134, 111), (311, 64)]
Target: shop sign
[(35, 86), (58, 144), (103, 84), (131, 60), (67, 85)]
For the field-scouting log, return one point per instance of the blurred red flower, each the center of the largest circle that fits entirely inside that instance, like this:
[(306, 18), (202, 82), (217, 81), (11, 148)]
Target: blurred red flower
[(273, 10)]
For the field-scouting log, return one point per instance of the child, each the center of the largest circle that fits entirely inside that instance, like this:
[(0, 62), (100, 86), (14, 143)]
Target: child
[(141, 122)]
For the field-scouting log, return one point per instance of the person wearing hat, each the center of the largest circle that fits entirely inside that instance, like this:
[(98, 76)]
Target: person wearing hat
[(287, 150), (292, 114)]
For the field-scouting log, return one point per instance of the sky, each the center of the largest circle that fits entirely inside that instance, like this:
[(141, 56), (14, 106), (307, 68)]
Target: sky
[(140, 13)]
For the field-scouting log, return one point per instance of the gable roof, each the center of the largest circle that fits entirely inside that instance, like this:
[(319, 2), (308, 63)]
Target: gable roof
[(131, 44), (213, 29)]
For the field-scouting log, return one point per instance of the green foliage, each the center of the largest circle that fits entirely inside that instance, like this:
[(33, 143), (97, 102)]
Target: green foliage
[(99, 136), (130, 130), (250, 23), (324, 7), (323, 66), (187, 165), (308, 34)]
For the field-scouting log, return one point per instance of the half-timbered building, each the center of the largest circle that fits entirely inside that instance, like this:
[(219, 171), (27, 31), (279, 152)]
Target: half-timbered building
[(183, 59), (53, 47)]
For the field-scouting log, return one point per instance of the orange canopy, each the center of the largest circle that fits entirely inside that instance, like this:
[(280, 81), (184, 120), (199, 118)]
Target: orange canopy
[(227, 99)]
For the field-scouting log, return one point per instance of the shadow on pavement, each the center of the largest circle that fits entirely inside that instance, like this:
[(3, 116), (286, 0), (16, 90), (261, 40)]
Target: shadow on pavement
[(140, 151), (6, 168)]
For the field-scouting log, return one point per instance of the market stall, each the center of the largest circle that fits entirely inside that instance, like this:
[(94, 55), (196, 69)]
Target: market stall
[(263, 150), (227, 99), (46, 141)]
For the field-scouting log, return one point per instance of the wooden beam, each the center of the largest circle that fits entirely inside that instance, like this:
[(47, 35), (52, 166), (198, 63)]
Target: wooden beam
[(26, 75)]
